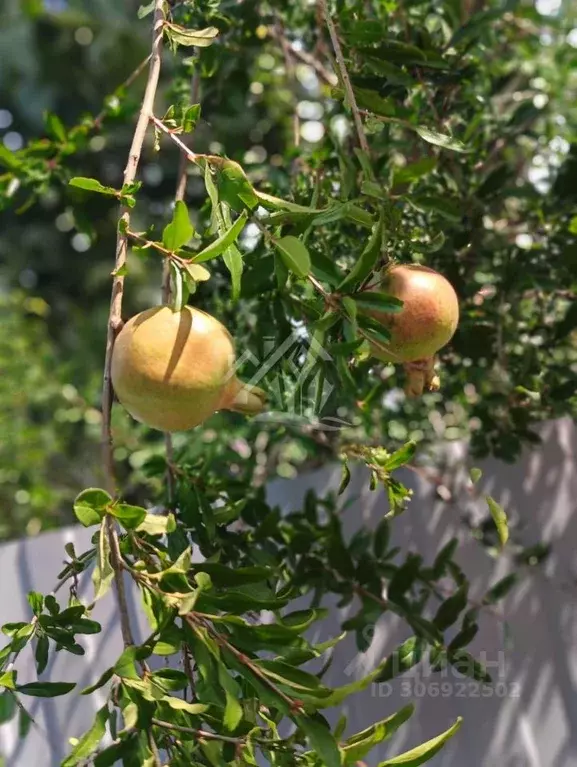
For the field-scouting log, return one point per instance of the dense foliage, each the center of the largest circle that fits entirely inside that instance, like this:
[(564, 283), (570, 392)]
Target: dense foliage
[(456, 151)]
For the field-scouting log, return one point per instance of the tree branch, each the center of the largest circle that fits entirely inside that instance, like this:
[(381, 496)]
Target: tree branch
[(344, 76), (114, 318)]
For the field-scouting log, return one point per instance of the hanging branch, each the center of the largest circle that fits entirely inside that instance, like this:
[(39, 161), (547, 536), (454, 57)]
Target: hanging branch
[(114, 318), (344, 76)]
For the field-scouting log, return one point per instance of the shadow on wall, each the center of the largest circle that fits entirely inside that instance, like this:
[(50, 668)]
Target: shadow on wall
[(530, 717)]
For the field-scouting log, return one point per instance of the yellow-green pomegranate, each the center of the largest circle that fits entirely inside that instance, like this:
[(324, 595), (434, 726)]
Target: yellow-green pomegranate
[(429, 316), (172, 370)]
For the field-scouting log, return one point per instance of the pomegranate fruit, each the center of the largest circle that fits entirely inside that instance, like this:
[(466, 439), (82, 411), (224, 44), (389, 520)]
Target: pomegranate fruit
[(172, 370), (428, 318)]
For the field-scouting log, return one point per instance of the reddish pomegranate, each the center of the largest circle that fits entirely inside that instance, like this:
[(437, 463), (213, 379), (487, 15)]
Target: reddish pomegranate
[(429, 316)]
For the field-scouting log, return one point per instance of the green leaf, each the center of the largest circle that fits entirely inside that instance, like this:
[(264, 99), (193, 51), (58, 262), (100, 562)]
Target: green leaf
[(178, 704), (500, 589), (451, 608), (145, 10), (233, 712), (475, 475), (106, 677), (409, 173), (358, 746), (465, 664), (9, 159), (90, 741), (440, 139), (7, 706), (425, 751), (125, 665), (103, 573), (92, 185), (406, 655), (24, 722), (90, 506), (234, 188), (233, 261), (157, 524), (295, 255), (170, 679), (321, 739), (367, 260), (129, 516), (374, 301), (499, 518), (368, 99), (449, 208), (180, 230), (401, 456), (36, 602), (345, 478), (200, 38), (8, 680), (41, 654), (46, 689), (222, 242), (55, 127), (381, 538)]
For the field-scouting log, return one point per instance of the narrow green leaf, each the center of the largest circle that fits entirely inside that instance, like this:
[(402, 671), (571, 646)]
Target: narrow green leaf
[(425, 751), (145, 10), (24, 722), (451, 608), (90, 741), (92, 185), (233, 710), (178, 704), (36, 601), (500, 589), (106, 677), (367, 260), (55, 127), (8, 680), (414, 171), (41, 654), (475, 475), (358, 746), (103, 573), (180, 230), (406, 655), (440, 139), (46, 689), (234, 188), (500, 519), (321, 739), (233, 261), (200, 38), (401, 456), (381, 302), (294, 254), (222, 242)]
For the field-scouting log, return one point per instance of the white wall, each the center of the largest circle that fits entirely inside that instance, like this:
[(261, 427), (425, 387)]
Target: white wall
[(532, 725)]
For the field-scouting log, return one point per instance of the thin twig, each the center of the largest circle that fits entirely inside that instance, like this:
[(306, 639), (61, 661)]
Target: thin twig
[(126, 84), (115, 314), (115, 318), (306, 58), (344, 76)]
